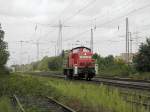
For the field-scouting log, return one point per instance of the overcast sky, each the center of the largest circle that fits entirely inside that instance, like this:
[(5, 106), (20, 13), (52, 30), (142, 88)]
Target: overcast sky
[(20, 17)]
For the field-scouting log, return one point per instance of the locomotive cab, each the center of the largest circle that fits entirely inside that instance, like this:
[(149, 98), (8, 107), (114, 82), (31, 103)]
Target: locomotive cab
[(80, 64)]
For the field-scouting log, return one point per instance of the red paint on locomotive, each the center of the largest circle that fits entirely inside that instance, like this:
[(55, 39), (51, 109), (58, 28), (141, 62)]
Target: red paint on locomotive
[(80, 63)]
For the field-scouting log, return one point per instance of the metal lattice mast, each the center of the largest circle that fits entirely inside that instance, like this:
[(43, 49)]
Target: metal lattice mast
[(91, 42), (127, 41), (59, 43)]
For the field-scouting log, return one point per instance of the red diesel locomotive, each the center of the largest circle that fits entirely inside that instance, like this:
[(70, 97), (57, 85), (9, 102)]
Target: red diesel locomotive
[(80, 64)]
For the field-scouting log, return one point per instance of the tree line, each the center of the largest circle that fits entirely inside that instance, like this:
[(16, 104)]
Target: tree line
[(4, 54)]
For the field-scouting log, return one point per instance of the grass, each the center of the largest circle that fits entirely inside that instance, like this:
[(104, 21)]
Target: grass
[(91, 98), (83, 97), (141, 76), (5, 104), (95, 98)]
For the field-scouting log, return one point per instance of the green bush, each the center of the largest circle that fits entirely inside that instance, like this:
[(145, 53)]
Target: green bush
[(142, 59), (109, 66), (4, 54), (46, 64)]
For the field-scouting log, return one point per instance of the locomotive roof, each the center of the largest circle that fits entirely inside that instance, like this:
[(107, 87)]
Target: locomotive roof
[(80, 47)]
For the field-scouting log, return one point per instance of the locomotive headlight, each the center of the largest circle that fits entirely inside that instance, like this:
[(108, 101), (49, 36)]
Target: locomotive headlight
[(75, 69), (96, 68)]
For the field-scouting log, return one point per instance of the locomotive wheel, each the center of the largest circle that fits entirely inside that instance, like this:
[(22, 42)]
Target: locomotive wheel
[(68, 74), (88, 78)]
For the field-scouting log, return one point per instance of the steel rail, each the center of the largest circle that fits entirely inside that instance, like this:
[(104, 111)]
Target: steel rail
[(64, 107), (19, 104), (52, 104), (124, 83), (123, 79)]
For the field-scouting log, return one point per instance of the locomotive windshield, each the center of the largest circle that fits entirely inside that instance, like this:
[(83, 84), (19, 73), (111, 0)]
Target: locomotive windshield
[(80, 49), (76, 50), (86, 50)]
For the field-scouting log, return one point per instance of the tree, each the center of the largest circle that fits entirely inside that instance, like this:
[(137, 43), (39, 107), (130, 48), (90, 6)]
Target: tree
[(142, 59), (4, 54), (95, 56), (109, 60), (55, 63)]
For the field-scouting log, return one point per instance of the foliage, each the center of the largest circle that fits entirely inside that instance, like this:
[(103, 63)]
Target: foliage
[(5, 104), (34, 66), (55, 63), (43, 64), (140, 76), (50, 63), (23, 85), (105, 61), (46, 64), (95, 56), (109, 66), (86, 97), (4, 54), (142, 59), (83, 97)]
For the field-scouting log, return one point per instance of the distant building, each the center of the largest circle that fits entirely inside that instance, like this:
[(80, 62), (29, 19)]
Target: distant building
[(124, 56)]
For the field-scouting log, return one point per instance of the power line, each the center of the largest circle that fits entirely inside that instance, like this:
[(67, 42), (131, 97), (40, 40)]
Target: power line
[(117, 10), (129, 13), (133, 11), (58, 16), (102, 16), (79, 11), (77, 35)]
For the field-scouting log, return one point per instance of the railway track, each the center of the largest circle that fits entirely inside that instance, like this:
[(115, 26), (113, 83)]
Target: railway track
[(123, 79), (125, 83), (128, 85), (43, 104)]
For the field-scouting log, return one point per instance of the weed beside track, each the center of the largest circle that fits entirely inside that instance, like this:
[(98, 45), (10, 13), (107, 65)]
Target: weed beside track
[(80, 96)]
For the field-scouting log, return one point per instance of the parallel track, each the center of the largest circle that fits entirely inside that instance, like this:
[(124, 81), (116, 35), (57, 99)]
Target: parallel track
[(44, 104), (124, 83)]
